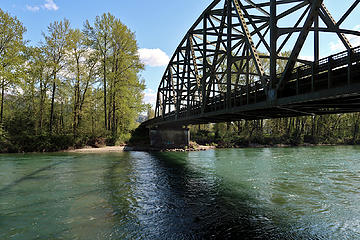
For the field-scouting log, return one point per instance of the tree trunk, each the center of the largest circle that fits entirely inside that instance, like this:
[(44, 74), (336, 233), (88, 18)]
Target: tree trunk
[(2, 100), (110, 109), (228, 125), (318, 126), (247, 127), (109, 124), (52, 105), (42, 103), (41, 107), (92, 125), (239, 125), (356, 127), (313, 125), (76, 98), (113, 116), (82, 99), (303, 122), (75, 113), (105, 108), (254, 126), (290, 127), (62, 125)]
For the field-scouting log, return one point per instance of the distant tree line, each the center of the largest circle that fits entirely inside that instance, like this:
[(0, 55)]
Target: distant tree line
[(326, 129), (76, 87)]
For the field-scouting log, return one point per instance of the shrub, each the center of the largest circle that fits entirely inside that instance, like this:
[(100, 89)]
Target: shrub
[(139, 136)]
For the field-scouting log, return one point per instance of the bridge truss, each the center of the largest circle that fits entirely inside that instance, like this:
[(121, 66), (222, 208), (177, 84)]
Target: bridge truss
[(233, 57)]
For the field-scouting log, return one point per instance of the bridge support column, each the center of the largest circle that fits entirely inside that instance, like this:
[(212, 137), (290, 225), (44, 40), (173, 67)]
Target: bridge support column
[(169, 137)]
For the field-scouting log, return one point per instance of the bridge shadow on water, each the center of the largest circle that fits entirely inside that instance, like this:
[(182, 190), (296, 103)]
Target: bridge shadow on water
[(216, 211), (168, 197)]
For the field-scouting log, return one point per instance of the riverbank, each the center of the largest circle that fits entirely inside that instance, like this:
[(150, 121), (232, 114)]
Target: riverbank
[(112, 149), (254, 145), (108, 149), (192, 148)]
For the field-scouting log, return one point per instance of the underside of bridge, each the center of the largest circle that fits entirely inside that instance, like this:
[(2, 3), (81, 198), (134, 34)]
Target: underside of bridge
[(241, 60)]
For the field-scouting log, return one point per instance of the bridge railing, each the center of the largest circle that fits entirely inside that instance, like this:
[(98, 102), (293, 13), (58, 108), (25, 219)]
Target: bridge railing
[(322, 65), (319, 74)]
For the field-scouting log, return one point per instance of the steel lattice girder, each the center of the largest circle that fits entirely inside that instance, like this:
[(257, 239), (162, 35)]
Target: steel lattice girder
[(226, 49)]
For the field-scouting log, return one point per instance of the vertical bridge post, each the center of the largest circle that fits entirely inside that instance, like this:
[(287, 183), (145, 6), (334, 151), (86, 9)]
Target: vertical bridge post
[(273, 51)]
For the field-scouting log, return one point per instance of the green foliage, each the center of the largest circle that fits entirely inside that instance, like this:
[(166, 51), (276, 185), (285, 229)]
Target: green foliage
[(12, 47), (5, 145), (139, 137), (80, 87), (329, 129), (22, 137)]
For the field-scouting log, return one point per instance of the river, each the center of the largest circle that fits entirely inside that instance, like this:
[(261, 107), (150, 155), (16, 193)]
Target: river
[(278, 193)]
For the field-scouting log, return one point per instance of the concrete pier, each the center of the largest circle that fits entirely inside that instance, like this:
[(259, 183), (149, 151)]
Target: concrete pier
[(169, 137)]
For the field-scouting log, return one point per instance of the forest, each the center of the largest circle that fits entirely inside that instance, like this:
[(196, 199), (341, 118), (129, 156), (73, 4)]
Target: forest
[(76, 87), (337, 129)]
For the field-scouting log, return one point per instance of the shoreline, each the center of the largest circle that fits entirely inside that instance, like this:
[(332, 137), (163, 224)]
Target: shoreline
[(114, 149), (118, 149)]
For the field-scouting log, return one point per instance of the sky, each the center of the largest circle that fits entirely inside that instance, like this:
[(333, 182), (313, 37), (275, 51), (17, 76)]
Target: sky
[(159, 25)]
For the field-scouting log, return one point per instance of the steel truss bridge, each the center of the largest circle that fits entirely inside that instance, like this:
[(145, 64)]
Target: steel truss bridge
[(231, 65)]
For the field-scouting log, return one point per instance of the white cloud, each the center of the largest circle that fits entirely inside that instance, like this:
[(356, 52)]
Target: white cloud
[(339, 46), (50, 5), (153, 57), (32, 8), (307, 58), (150, 96)]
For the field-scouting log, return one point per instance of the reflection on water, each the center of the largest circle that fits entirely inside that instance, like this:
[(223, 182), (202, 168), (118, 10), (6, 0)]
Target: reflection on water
[(291, 193)]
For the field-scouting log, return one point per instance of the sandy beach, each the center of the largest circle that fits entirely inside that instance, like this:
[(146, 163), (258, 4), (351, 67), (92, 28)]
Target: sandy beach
[(98, 150)]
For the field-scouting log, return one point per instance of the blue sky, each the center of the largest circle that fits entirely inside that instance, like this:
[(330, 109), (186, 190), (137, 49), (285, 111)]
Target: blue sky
[(159, 24)]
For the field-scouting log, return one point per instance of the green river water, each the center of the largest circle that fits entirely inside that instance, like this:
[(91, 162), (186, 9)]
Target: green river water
[(279, 193)]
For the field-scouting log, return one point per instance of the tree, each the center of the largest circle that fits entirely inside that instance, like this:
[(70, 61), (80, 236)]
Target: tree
[(11, 48), (124, 80), (122, 90), (82, 63), (150, 112), (99, 36), (37, 83), (56, 46)]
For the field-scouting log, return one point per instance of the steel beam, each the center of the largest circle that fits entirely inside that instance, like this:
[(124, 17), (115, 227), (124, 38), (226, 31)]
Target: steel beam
[(300, 41), (217, 69), (250, 43), (229, 55), (273, 44)]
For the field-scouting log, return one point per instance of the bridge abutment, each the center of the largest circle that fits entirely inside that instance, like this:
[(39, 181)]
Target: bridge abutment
[(169, 137)]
